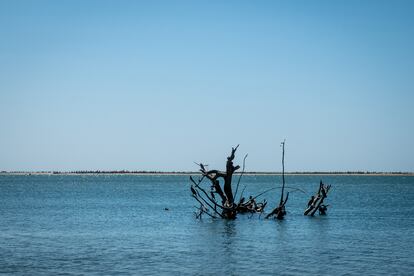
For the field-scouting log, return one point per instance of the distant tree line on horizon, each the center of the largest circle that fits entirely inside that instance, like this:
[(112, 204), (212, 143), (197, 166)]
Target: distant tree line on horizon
[(190, 172)]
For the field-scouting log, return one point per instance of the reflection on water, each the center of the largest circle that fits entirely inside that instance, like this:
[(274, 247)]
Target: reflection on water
[(229, 229), (119, 225)]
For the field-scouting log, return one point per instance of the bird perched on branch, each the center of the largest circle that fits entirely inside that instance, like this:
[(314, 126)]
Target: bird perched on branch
[(193, 190)]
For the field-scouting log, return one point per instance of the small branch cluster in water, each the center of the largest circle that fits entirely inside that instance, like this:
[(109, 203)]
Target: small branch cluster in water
[(316, 202), (218, 201)]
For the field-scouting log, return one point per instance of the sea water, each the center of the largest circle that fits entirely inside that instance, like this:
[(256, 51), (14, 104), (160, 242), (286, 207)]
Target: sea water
[(145, 225)]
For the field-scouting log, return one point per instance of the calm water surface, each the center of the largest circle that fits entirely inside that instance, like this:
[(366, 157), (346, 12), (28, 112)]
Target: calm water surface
[(107, 225)]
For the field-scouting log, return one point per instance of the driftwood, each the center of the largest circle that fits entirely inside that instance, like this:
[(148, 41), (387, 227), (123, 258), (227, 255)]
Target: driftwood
[(280, 211), (251, 206), (316, 202), (225, 206)]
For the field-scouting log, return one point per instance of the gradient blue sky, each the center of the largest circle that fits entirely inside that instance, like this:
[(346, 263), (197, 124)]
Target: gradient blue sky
[(156, 85)]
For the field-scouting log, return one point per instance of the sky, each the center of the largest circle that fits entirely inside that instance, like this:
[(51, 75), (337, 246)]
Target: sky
[(159, 85)]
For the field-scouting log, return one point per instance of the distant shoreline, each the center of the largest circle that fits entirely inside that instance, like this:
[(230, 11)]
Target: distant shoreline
[(358, 173)]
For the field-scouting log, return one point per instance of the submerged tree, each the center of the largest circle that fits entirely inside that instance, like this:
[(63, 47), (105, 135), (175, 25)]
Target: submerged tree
[(280, 211), (225, 207), (316, 202), (219, 201)]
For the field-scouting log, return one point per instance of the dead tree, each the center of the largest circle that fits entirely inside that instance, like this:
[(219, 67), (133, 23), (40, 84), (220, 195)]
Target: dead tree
[(280, 211), (316, 202), (225, 207)]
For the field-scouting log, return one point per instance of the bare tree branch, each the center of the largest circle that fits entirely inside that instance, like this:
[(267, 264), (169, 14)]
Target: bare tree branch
[(241, 174)]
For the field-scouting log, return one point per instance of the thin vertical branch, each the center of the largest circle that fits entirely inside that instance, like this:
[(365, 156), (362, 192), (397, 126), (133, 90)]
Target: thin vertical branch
[(283, 172), (241, 174)]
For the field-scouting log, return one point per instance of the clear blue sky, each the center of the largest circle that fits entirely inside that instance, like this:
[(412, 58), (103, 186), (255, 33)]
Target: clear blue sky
[(156, 85)]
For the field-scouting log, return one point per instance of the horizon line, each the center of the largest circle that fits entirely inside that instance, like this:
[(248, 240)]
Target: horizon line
[(74, 172)]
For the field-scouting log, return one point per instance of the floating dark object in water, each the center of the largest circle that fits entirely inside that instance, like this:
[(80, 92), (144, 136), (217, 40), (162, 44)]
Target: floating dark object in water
[(166, 209)]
